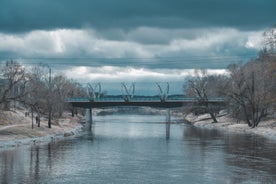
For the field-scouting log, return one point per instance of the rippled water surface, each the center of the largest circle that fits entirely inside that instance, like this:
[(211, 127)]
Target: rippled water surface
[(133, 149)]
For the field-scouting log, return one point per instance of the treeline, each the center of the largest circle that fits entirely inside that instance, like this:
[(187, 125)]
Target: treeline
[(249, 90), (37, 90)]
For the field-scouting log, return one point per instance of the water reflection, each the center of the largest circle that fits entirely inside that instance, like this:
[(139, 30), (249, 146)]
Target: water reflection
[(111, 154), (250, 158), (6, 166), (34, 163), (31, 164)]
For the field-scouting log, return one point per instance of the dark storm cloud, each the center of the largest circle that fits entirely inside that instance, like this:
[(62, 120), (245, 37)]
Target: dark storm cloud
[(19, 15), (136, 33)]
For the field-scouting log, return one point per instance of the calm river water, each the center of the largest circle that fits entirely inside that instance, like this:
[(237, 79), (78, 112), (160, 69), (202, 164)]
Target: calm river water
[(133, 149)]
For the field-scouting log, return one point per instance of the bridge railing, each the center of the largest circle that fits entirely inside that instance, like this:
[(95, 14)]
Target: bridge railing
[(141, 99)]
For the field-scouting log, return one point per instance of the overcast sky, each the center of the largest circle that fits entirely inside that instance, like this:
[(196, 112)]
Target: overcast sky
[(128, 40)]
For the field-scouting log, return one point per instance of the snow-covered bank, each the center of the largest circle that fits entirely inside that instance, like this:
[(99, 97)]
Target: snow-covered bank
[(266, 128), (16, 130)]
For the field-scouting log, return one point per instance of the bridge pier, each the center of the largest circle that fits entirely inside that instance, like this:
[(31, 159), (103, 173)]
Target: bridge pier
[(88, 119), (168, 123)]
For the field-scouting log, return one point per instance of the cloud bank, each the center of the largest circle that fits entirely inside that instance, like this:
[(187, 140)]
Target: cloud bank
[(215, 48)]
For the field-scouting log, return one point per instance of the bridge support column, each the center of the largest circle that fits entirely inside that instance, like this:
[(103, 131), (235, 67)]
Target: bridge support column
[(88, 119), (168, 123)]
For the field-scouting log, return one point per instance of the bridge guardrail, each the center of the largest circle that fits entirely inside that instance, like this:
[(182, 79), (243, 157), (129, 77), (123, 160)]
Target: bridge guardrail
[(141, 99)]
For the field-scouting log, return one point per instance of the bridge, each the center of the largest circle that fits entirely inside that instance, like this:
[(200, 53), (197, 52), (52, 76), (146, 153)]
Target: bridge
[(156, 102), (168, 103), (95, 98), (163, 100)]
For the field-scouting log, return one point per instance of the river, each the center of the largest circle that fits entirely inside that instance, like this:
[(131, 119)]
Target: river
[(132, 148)]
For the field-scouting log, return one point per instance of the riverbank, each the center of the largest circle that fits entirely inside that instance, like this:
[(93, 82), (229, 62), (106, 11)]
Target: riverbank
[(266, 128), (16, 129)]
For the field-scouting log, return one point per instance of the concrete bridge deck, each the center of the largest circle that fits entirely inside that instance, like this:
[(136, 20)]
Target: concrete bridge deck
[(170, 102)]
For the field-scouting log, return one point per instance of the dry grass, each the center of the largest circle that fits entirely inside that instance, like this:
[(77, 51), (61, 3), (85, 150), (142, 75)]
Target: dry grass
[(14, 125)]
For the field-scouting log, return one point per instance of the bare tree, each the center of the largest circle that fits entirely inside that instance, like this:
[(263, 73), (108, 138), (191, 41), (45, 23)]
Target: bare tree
[(14, 81), (75, 89), (39, 97), (250, 91), (202, 87), (62, 89), (48, 95), (269, 40)]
